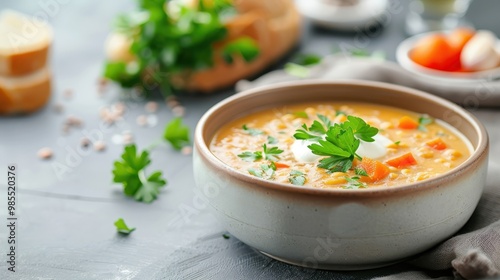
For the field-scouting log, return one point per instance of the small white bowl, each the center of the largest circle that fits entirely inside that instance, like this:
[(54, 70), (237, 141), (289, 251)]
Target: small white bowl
[(362, 15), (403, 58), (335, 228)]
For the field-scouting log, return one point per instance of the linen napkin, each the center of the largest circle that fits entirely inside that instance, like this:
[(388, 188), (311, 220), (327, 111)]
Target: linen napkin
[(481, 93), (474, 252)]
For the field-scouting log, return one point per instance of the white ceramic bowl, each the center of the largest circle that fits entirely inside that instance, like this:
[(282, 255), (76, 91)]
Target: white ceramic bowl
[(337, 228), (403, 58)]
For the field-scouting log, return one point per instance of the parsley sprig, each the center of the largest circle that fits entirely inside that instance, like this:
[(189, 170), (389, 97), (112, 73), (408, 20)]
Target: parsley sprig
[(267, 153), (130, 172), (340, 143)]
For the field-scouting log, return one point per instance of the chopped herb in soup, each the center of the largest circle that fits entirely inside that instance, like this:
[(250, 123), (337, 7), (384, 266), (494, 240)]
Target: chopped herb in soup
[(333, 145)]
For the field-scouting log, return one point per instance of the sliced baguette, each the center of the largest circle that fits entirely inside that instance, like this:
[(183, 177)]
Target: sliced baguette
[(24, 43), (25, 94)]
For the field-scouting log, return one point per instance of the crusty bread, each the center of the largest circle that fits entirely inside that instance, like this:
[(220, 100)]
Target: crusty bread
[(24, 43), (274, 25), (25, 94)]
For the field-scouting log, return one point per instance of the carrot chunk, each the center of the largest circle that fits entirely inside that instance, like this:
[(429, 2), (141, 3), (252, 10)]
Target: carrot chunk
[(407, 123), (437, 144), (375, 169), (281, 165), (402, 161)]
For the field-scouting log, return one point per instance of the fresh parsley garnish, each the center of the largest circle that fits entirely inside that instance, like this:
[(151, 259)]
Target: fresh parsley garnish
[(252, 131), (397, 143), (266, 171), (305, 59), (270, 154), (339, 112), (130, 171), (122, 227), (271, 140), (354, 183), (176, 133), (341, 142), (424, 120), (297, 177), (226, 236)]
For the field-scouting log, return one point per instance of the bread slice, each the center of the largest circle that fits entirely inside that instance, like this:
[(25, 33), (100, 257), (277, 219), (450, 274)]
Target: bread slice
[(25, 94), (24, 43)]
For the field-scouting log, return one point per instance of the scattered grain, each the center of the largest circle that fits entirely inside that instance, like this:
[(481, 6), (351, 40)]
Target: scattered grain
[(45, 153)]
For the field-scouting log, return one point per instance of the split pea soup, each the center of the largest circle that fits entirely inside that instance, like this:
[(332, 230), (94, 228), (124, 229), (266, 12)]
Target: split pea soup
[(340, 145)]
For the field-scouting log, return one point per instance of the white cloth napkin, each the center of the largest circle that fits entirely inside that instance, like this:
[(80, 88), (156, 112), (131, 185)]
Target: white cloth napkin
[(471, 94)]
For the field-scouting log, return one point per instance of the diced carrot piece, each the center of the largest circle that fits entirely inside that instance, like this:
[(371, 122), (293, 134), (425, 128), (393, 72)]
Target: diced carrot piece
[(402, 161), (281, 165), (407, 123), (437, 144), (375, 169)]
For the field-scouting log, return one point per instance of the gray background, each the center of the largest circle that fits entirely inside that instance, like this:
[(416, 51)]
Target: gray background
[(66, 222)]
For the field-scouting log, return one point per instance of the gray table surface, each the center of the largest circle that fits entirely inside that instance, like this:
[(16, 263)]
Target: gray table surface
[(65, 227)]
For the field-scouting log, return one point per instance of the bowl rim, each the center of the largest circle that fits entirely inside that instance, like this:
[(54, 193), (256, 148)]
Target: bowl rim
[(480, 151), (403, 58)]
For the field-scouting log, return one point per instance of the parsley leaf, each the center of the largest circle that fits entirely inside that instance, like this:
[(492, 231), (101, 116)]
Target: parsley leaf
[(244, 46), (297, 178), (306, 59), (424, 120), (360, 171), (361, 129), (300, 65), (250, 156), (176, 133), (266, 171), (341, 142), (122, 228), (130, 172), (354, 183), (315, 131), (252, 131), (271, 140), (301, 114), (270, 153)]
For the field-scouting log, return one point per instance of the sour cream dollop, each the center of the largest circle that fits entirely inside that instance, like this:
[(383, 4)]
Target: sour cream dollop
[(375, 149)]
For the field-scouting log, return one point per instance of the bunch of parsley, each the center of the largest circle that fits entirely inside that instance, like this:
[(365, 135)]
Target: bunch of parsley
[(169, 45)]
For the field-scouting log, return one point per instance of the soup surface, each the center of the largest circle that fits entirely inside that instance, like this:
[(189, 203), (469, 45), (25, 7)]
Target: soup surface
[(340, 145)]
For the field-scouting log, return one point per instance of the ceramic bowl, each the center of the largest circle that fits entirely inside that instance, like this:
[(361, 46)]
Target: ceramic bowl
[(403, 57), (336, 228)]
